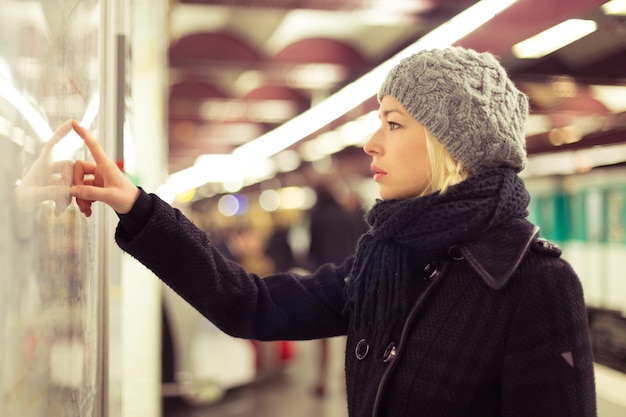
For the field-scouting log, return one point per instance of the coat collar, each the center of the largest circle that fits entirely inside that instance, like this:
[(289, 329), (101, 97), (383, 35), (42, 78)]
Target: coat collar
[(496, 255)]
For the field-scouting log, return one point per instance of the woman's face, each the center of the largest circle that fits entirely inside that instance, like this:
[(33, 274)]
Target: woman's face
[(398, 151)]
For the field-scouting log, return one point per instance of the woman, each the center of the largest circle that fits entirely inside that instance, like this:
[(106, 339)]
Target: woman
[(452, 305)]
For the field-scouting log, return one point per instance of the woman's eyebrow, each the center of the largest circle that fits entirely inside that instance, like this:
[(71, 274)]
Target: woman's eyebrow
[(385, 113)]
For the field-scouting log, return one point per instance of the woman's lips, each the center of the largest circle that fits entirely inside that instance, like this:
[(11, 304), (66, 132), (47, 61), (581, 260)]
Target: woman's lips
[(379, 174)]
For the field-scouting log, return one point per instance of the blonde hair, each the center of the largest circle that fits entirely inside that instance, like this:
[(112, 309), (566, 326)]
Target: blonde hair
[(445, 171)]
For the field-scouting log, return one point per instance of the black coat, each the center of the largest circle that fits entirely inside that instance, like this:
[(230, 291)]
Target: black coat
[(499, 328)]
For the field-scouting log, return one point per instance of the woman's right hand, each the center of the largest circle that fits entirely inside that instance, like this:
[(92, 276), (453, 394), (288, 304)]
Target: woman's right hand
[(100, 180)]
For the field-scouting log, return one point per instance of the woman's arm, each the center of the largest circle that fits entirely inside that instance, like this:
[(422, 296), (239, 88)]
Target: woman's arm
[(281, 306)]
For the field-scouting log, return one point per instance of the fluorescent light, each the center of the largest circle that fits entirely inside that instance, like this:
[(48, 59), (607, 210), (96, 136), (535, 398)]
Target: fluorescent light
[(554, 38), (615, 7), (365, 87), (612, 96), (459, 26), (357, 92), (208, 168), (537, 123)]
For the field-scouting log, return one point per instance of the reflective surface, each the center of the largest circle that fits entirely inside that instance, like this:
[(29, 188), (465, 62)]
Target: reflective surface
[(49, 296)]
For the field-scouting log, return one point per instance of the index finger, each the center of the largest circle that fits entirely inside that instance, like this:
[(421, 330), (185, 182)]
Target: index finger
[(94, 147)]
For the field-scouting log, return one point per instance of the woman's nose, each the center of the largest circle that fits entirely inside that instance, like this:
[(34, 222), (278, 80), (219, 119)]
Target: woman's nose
[(371, 147)]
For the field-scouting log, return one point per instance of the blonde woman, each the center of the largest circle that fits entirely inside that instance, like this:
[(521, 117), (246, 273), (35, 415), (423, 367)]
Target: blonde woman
[(452, 304)]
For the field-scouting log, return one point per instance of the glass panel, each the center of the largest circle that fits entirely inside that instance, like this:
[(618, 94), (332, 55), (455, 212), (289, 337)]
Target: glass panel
[(49, 296)]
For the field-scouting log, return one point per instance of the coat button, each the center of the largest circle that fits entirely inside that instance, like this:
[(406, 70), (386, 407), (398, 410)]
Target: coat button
[(455, 253), (545, 247), (390, 352), (362, 349), (431, 271), (545, 244)]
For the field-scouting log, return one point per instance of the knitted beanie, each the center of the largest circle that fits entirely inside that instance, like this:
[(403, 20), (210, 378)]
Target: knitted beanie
[(466, 99)]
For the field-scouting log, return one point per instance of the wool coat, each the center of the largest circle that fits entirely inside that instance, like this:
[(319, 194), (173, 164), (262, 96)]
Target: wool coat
[(497, 327)]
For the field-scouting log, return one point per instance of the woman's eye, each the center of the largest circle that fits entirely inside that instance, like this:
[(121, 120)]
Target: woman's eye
[(393, 125)]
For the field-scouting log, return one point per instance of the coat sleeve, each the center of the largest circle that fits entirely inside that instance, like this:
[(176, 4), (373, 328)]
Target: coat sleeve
[(284, 306), (548, 368)]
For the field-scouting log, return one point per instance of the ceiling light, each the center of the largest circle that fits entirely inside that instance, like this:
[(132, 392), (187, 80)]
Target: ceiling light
[(612, 96), (384, 12), (364, 88), (564, 135), (537, 123), (554, 38), (232, 205), (315, 76), (459, 26), (564, 86), (269, 200), (615, 7), (207, 168), (293, 198), (287, 161), (401, 6)]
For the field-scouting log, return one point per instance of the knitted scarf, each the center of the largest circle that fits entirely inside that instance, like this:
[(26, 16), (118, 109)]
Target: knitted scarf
[(407, 233)]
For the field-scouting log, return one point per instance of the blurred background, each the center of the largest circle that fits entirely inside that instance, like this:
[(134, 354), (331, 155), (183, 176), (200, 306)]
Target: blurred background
[(250, 116)]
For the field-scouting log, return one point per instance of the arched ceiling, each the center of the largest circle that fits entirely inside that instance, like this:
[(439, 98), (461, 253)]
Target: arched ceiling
[(240, 68)]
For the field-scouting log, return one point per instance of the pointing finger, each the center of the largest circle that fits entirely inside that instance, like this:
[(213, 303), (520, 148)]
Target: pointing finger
[(94, 147)]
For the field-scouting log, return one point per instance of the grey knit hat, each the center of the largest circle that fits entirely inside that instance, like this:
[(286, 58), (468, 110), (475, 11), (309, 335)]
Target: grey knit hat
[(466, 99)]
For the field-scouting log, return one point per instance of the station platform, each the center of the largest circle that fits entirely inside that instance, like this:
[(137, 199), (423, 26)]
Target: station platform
[(285, 394)]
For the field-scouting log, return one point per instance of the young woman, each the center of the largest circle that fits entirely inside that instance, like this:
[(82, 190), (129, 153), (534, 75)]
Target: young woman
[(452, 304)]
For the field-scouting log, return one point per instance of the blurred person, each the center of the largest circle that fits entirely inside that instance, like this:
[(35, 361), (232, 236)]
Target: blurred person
[(246, 244), (334, 228), (452, 305), (278, 245), (333, 232)]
